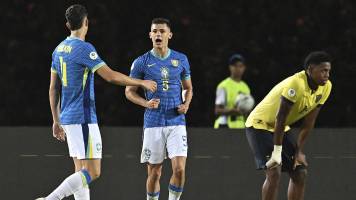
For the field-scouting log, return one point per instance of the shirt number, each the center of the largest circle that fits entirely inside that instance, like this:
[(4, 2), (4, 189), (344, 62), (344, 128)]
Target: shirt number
[(165, 84), (64, 71)]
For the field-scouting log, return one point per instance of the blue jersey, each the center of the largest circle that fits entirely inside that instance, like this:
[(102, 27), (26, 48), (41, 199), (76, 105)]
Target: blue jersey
[(168, 72), (75, 62)]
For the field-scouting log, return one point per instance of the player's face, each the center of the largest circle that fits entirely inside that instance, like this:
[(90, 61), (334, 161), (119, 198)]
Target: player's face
[(160, 34), (237, 69), (320, 73)]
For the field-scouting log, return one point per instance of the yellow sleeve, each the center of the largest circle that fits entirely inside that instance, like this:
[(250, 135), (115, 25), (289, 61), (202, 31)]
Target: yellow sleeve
[(326, 93), (291, 90)]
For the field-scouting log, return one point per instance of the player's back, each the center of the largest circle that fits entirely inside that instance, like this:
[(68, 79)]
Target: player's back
[(75, 61)]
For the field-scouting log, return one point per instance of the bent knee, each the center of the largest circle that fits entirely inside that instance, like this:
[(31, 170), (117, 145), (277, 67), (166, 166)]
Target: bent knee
[(299, 176), (273, 175)]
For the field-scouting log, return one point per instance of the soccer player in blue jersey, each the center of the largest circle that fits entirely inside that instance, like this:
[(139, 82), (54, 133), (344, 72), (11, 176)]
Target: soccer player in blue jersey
[(164, 118), (74, 63)]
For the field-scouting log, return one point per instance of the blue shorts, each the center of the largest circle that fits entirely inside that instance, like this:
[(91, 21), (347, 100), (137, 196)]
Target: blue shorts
[(261, 144)]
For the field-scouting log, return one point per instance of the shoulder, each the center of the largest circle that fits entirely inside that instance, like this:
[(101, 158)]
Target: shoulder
[(179, 55), (223, 83), (85, 45), (298, 81), (142, 58)]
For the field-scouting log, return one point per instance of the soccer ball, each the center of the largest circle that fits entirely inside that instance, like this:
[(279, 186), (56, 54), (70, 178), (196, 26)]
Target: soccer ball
[(245, 103)]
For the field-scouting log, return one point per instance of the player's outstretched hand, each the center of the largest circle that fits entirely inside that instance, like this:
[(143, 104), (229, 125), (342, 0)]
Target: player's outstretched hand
[(58, 132), (182, 109), (149, 85), (153, 103), (276, 157), (300, 159)]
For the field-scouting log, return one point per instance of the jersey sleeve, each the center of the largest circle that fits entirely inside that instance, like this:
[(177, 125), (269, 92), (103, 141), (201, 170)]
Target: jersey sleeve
[(292, 91), (186, 69), (220, 96), (326, 93), (53, 67), (90, 58), (137, 69)]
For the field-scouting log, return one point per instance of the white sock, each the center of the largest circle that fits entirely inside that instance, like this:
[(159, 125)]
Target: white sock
[(82, 194), (152, 195), (70, 185), (174, 192)]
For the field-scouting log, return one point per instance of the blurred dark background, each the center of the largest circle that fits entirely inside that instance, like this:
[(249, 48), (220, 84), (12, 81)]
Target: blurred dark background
[(274, 36)]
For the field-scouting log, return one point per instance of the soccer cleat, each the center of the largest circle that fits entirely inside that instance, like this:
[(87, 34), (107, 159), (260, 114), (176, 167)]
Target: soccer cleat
[(41, 198)]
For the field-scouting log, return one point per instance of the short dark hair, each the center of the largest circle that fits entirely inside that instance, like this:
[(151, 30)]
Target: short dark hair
[(161, 20), (236, 58), (75, 15), (316, 57)]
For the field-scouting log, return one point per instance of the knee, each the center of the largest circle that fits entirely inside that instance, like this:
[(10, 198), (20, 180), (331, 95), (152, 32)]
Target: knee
[(273, 175), (299, 176), (179, 171), (155, 174)]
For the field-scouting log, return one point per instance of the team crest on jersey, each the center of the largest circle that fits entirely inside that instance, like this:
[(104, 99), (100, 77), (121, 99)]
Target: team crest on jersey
[(146, 155), (317, 98), (291, 92), (175, 63), (164, 73), (93, 55)]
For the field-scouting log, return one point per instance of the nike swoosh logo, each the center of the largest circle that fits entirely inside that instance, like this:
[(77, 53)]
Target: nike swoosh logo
[(150, 65)]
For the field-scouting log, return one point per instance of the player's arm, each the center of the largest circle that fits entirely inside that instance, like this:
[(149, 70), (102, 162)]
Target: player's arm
[(222, 110), (118, 78), (54, 100), (188, 87), (220, 102), (307, 126), (132, 95), (283, 112)]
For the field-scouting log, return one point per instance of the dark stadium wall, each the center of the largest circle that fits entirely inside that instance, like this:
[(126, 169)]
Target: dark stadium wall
[(220, 165)]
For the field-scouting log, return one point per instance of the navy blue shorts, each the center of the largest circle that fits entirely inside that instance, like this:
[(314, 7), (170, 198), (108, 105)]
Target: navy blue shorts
[(261, 144)]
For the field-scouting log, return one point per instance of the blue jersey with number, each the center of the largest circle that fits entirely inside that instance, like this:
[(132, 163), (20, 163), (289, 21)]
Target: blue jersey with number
[(75, 62), (168, 72)]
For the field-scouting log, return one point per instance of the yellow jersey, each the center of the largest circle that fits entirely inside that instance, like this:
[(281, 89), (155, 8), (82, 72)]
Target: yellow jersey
[(294, 88)]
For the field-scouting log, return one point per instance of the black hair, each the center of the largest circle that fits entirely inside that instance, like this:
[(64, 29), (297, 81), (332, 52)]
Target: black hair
[(75, 15), (316, 57), (161, 20)]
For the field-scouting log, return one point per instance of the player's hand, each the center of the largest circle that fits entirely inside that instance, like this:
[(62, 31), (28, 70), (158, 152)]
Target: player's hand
[(276, 157), (58, 132), (149, 85), (183, 109), (152, 104), (300, 159)]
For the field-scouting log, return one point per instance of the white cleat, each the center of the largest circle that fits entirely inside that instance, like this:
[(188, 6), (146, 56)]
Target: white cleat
[(41, 198)]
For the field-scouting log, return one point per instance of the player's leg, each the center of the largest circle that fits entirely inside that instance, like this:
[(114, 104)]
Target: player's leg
[(84, 193), (154, 172), (297, 176), (153, 153), (271, 184), (177, 148), (297, 181), (85, 144), (261, 144)]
